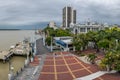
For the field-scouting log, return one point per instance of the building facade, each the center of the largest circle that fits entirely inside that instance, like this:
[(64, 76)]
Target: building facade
[(88, 26), (52, 24), (69, 16)]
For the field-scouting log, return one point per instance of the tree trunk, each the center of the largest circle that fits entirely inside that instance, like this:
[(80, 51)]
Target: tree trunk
[(96, 47)]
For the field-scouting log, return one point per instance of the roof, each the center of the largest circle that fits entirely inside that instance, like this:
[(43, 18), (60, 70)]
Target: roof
[(61, 43), (63, 38)]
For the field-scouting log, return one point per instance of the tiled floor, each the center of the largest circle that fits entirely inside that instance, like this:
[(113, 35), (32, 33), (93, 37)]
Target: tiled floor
[(64, 67)]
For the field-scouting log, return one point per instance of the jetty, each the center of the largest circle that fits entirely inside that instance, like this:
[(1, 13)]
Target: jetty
[(20, 49), (4, 55)]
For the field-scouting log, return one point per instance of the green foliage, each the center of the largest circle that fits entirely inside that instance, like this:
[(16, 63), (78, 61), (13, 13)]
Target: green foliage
[(108, 40), (56, 33), (80, 41), (61, 32), (104, 44), (112, 59), (105, 39), (50, 32), (102, 65), (92, 57), (48, 41)]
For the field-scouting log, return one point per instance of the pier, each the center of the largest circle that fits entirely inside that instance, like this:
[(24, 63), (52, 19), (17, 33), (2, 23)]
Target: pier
[(20, 49), (4, 55)]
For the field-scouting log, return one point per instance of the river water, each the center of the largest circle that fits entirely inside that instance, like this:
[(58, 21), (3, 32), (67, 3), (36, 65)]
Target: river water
[(8, 38)]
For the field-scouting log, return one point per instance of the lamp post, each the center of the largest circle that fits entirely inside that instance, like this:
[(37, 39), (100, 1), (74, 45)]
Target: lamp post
[(116, 43), (27, 60), (51, 49), (44, 39), (11, 68)]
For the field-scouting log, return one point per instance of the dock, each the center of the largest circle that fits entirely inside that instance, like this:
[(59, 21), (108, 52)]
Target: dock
[(5, 55), (21, 48)]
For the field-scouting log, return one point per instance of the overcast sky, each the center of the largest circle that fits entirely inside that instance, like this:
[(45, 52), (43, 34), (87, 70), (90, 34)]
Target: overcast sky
[(22, 12)]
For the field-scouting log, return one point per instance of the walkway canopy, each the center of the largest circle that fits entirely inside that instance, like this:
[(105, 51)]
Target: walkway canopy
[(64, 42)]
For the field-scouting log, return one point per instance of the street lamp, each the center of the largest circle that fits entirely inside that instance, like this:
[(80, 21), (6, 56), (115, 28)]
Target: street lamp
[(51, 45), (116, 43), (11, 68)]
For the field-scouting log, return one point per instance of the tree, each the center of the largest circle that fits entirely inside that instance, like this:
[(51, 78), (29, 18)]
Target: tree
[(92, 58), (50, 32), (112, 60), (105, 44), (48, 40), (93, 37), (80, 41), (61, 32)]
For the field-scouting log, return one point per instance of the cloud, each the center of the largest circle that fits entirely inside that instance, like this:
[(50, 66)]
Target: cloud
[(99, 10), (23, 12)]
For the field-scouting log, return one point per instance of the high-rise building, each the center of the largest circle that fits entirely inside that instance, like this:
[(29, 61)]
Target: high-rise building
[(69, 16)]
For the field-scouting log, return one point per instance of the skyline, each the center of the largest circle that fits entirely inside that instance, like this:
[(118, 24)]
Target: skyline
[(26, 12)]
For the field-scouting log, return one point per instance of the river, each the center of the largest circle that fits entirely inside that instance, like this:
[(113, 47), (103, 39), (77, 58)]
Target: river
[(8, 38)]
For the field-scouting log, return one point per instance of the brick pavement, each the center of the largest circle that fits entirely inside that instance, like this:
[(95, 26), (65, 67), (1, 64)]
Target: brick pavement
[(62, 66)]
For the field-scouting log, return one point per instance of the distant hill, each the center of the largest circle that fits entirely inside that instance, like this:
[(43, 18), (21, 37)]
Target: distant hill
[(40, 25)]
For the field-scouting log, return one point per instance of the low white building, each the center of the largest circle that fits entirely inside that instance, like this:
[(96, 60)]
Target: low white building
[(52, 24), (88, 26)]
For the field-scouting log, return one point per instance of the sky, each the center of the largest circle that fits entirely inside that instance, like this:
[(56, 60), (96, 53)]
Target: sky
[(25, 12)]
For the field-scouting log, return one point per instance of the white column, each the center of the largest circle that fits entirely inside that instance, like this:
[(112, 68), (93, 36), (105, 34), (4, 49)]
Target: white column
[(73, 48), (11, 74), (74, 30), (90, 29), (44, 39), (67, 48), (79, 30), (34, 45), (86, 29)]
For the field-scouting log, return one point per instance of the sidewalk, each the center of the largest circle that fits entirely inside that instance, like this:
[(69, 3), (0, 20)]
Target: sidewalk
[(32, 72)]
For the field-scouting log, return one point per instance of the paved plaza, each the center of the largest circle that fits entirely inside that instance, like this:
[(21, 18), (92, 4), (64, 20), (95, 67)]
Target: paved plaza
[(65, 66), (62, 66)]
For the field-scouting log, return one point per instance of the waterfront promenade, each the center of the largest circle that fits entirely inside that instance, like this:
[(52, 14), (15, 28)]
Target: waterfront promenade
[(62, 66), (31, 72)]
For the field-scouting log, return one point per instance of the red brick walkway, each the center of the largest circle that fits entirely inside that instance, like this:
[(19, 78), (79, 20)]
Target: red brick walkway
[(61, 66), (35, 61)]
